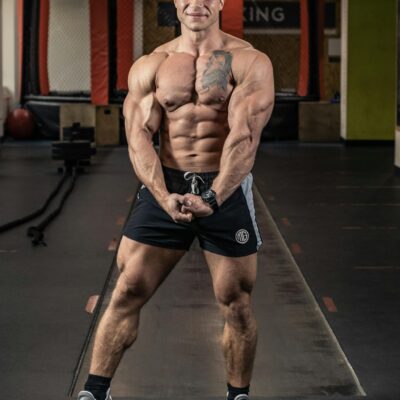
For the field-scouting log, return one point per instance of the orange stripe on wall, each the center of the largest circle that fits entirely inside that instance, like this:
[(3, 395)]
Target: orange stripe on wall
[(43, 45), (232, 18), (20, 11), (125, 39), (99, 51), (304, 72)]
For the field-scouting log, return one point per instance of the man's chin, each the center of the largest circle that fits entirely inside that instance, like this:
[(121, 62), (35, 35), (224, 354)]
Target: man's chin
[(198, 28)]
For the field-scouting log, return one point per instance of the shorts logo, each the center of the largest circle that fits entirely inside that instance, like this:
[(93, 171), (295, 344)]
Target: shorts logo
[(242, 236)]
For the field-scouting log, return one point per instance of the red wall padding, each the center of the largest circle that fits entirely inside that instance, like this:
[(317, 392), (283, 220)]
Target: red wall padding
[(304, 72), (99, 38), (125, 39), (232, 18)]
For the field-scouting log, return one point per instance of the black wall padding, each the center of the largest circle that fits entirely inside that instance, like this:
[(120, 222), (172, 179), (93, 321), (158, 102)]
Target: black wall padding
[(313, 89), (30, 71)]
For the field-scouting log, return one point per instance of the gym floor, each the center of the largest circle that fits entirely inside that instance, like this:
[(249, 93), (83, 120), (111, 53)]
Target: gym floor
[(326, 297)]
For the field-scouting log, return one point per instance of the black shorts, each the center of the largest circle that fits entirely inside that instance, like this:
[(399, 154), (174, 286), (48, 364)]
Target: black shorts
[(231, 231)]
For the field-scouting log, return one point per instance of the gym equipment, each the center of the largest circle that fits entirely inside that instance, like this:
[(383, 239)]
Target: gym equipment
[(75, 153), (20, 124)]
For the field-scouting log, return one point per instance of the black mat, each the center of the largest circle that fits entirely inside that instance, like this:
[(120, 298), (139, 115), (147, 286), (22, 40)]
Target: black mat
[(343, 209), (44, 290)]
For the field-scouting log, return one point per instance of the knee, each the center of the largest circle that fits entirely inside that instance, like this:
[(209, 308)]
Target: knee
[(237, 311), (240, 315), (130, 293)]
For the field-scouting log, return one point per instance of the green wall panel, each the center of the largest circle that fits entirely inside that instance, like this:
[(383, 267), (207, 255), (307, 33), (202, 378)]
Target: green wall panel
[(372, 69)]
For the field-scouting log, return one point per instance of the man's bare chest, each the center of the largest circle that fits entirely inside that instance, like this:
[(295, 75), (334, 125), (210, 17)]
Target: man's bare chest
[(184, 79)]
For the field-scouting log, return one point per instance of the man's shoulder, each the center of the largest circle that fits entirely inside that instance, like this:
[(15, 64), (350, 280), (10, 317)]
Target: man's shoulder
[(249, 63), (154, 59), (248, 55), (142, 74), (246, 59), (145, 68), (234, 44), (243, 52)]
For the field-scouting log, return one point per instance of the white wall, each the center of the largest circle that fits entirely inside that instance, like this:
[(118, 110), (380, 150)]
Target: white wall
[(9, 39)]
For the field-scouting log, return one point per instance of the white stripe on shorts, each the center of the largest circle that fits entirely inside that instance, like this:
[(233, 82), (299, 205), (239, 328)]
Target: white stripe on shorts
[(246, 185)]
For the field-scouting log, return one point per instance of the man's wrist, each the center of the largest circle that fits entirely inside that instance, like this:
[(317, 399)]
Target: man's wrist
[(218, 196), (162, 198), (210, 197)]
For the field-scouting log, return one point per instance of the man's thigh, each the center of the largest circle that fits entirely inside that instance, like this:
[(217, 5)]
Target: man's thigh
[(144, 267), (233, 277)]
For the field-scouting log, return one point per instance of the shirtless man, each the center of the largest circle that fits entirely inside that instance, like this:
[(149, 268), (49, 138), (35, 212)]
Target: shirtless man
[(210, 95)]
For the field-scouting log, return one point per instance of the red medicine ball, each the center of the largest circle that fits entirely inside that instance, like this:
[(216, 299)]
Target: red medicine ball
[(20, 124)]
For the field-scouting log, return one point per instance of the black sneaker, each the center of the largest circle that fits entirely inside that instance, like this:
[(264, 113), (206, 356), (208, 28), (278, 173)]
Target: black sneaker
[(239, 396), (85, 395)]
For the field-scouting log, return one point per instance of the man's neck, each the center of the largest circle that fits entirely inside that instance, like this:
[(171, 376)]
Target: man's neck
[(198, 43)]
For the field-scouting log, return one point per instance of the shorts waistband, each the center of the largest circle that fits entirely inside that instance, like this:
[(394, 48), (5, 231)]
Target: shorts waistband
[(188, 181), (178, 174)]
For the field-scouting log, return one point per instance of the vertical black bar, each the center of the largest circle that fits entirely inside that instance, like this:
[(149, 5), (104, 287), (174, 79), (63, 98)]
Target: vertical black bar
[(30, 70), (112, 45), (313, 83)]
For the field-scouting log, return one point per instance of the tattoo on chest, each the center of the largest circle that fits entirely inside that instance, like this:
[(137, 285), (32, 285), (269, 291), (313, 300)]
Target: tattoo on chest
[(217, 70)]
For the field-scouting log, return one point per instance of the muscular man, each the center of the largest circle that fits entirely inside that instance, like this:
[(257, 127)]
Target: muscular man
[(210, 95)]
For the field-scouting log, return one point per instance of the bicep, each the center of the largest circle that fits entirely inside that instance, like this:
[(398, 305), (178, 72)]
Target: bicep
[(141, 109), (142, 113), (252, 101)]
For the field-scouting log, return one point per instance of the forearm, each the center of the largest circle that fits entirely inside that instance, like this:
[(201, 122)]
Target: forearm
[(147, 166), (237, 161)]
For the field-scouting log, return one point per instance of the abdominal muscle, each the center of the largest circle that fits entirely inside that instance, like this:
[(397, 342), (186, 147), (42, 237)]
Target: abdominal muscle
[(192, 139)]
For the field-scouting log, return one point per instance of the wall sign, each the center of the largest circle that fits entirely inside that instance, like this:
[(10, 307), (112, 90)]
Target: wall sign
[(259, 14), (281, 15)]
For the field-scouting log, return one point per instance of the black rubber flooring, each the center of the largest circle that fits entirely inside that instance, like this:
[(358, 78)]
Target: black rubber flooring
[(44, 290), (338, 211)]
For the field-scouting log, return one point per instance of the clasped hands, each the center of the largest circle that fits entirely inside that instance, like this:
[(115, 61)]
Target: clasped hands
[(183, 208)]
